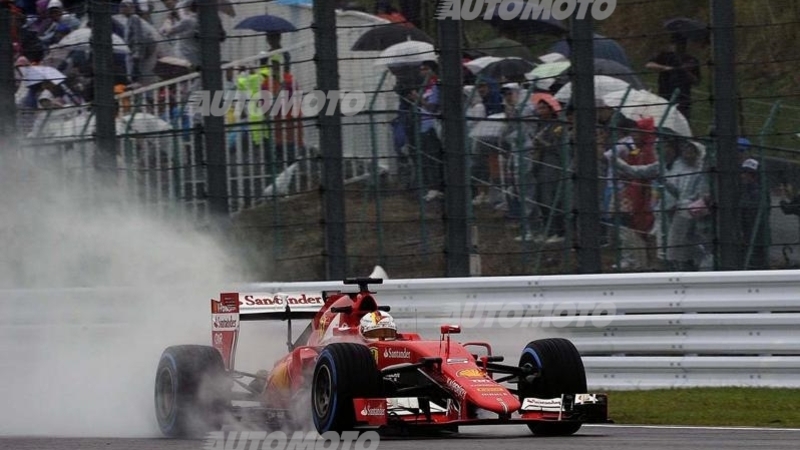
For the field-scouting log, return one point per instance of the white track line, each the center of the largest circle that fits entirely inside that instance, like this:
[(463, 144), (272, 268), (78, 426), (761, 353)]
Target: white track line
[(687, 427)]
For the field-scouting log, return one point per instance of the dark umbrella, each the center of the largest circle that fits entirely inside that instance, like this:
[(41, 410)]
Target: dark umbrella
[(604, 48), (266, 23), (385, 36), (533, 24), (509, 68), (505, 48), (691, 29), (608, 68)]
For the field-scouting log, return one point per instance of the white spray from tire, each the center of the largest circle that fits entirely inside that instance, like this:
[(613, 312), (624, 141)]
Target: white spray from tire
[(92, 292)]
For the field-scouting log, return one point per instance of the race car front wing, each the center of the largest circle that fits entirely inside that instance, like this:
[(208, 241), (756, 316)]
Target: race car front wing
[(582, 408)]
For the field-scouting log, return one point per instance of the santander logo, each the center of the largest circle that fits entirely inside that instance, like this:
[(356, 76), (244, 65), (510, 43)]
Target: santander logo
[(367, 411), (396, 354)]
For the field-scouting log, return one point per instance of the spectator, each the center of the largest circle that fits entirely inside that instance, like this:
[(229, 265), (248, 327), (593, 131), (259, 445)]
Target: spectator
[(385, 10), (518, 137), (684, 184), (412, 10), (754, 217), (630, 193), (186, 31), (60, 23), (677, 70), (27, 39), (547, 141), (142, 39), (430, 154)]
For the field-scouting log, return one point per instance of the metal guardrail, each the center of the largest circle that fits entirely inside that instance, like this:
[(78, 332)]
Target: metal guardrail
[(638, 331), (635, 331)]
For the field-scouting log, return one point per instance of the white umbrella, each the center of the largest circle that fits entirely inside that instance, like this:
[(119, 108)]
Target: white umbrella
[(144, 123), (544, 75), (491, 128), (409, 52), (640, 104), (82, 126), (80, 39), (603, 85), (478, 64), (553, 57), (32, 75)]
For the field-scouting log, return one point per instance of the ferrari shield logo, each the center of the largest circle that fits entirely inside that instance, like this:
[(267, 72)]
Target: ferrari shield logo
[(375, 353), (471, 373)]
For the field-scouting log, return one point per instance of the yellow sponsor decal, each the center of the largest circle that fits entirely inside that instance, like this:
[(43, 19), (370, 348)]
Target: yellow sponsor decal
[(323, 323), (471, 373), (491, 389), (375, 353)]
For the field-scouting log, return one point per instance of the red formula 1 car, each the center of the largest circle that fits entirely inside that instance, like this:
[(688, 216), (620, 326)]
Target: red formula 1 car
[(351, 370)]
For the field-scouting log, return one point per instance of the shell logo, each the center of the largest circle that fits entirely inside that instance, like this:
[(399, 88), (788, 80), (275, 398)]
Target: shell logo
[(471, 373)]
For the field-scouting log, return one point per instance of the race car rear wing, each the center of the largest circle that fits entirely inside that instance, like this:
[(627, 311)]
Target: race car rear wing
[(233, 307)]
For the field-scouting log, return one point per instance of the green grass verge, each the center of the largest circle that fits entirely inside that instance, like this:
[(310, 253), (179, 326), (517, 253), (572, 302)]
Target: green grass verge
[(743, 407)]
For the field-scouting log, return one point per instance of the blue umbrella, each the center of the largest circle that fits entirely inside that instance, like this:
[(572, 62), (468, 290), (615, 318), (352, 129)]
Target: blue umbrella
[(604, 48), (266, 23)]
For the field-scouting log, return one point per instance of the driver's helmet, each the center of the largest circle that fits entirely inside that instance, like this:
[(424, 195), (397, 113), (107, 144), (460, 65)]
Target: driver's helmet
[(378, 325)]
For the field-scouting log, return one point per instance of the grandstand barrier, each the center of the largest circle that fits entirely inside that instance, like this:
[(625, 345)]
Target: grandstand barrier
[(635, 331)]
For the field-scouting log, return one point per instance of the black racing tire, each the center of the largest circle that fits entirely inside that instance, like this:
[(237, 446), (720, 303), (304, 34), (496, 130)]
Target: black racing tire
[(561, 372), (192, 391), (343, 371)]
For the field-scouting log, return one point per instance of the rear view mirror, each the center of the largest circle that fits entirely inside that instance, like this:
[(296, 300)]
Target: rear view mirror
[(451, 329)]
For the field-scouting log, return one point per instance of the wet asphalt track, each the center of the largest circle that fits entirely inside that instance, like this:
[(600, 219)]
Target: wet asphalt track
[(591, 437)]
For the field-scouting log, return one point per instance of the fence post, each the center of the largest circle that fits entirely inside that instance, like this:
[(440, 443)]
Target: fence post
[(104, 103), (728, 222), (333, 202), (8, 113), (214, 142), (587, 204), (455, 154)]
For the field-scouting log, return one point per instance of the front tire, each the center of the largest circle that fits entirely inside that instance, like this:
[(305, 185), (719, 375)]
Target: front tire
[(191, 391), (344, 371), (561, 372)]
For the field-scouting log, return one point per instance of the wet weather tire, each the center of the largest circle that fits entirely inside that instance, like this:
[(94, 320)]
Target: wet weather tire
[(561, 372), (344, 371), (191, 391)]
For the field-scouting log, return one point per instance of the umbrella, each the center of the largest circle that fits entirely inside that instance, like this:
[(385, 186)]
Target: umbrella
[(691, 29), (384, 36), (552, 57), (170, 67), (508, 68), (266, 23), (33, 75), (640, 104), (476, 65), (545, 75), (490, 128), (505, 48), (144, 123), (405, 53), (80, 39), (225, 6), (503, 17), (603, 85), (604, 48)]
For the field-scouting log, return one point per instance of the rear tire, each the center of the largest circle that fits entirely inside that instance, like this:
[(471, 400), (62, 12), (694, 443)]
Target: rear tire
[(192, 391), (561, 372), (344, 371)]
